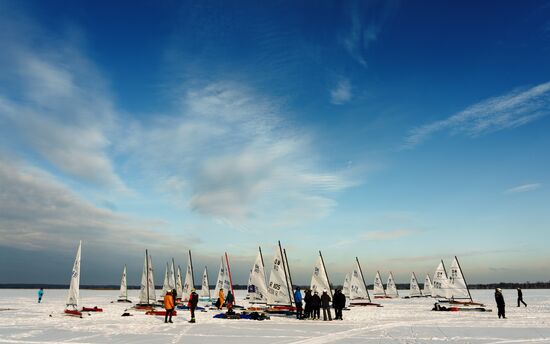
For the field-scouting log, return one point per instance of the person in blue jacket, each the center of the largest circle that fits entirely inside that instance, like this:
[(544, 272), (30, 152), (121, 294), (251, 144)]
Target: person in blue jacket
[(40, 294), (298, 300)]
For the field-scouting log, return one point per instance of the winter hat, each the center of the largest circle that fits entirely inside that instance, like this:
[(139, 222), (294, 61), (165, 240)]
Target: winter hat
[(193, 290), (324, 290)]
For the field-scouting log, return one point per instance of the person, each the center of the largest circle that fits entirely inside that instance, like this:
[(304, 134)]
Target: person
[(193, 301), (339, 304), (221, 299), (175, 296), (316, 306), (229, 301), (520, 297), (500, 303), (307, 307), (168, 306), (40, 294), (325, 303), (298, 300)]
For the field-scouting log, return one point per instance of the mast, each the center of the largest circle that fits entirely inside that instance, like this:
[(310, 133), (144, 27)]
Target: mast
[(326, 274), (206, 269), (380, 278), (229, 272), (289, 275), (192, 271), (261, 256), (147, 259), (125, 282), (464, 278), (362, 277), (286, 276)]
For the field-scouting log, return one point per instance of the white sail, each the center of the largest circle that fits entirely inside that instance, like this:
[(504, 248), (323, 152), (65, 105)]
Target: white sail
[(189, 280), (391, 288), (346, 286), (143, 299), (179, 283), (205, 288), (151, 281), (427, 290), (440, 284), (278, 288), (166, 285), (378, 289), (257, 286), (457, 284), (74, 288), (172, 276), (223, 279), (414, 288), (319, 280), (358, 289), (123, 286)]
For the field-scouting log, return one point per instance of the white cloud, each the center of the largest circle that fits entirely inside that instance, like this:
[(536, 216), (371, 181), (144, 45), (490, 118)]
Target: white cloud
[(511, 110), (239, 160), (39, 213), (341, 93), (387, 235), (523, 188), (56, 107)]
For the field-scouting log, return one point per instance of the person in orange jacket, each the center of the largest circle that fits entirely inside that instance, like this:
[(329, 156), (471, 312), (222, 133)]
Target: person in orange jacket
[(168, 306), (221, 297)]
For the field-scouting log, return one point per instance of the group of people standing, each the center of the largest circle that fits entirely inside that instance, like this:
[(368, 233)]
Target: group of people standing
[(170, 304), (314, 303)]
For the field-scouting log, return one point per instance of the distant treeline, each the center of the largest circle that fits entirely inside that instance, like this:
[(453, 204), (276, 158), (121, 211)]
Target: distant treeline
[(401, 286)]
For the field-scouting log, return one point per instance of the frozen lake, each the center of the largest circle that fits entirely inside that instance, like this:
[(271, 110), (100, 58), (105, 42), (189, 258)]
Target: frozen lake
[(22, 320)]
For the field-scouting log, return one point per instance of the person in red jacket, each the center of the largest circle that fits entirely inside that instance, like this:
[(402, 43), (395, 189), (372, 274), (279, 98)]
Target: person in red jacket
[(168, 306), (192, 304)]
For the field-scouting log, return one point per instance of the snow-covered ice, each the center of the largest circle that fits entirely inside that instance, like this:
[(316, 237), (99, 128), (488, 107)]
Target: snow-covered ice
[(23, 320)]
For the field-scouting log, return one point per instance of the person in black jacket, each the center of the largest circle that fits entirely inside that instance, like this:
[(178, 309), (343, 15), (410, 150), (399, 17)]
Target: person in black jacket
[(520, 297), (307, 306), (325, 303), (192, 304), (500, 303), (316, 306), (339, 303)]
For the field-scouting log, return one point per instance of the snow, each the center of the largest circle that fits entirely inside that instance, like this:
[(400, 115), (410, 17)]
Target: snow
[(23, 320)]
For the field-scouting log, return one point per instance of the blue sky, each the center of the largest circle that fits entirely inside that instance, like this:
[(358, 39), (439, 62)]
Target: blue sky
[(396, 131)]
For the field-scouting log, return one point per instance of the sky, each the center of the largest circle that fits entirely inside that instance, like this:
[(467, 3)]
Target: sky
[(398, 132)]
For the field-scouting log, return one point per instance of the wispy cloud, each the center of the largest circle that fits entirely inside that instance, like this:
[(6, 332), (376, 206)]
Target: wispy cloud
[(341, 93), (57, 107), (511, 110), (232, 155), (523, 188), (387, 235)]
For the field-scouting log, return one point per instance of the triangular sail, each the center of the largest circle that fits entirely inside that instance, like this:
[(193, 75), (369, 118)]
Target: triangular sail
[(151, 281), (257, 286), (143, 298), (319, 279), (179, 283), (378, 289), (74, 288), (166, 287), (223, 279), (278, 288), (189, 280), (346, 286), (205, 288), (358, 288), (427, 290), (458, 289), (440, 284), (123, 295), (391, 288), (414, 288), (172, 276)]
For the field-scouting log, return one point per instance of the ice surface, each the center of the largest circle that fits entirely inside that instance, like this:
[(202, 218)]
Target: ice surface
[(22, 320)]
